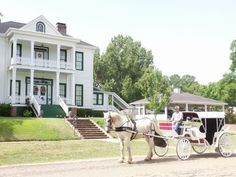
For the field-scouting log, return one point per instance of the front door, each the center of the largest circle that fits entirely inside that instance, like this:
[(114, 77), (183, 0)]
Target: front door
[(40, 93), (42, 90), (39, 54)]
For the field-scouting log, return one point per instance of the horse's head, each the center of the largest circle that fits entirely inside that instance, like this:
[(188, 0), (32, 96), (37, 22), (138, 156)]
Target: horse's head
[(108, 121)]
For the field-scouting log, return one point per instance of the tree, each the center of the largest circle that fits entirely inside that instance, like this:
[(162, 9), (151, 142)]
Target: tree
[(121, 66), (233, 56), (186, 83), (227, 89), (156, 88)]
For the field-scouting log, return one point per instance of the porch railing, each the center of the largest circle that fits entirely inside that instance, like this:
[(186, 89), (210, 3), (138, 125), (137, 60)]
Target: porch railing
[(46, 63), (63, 105)]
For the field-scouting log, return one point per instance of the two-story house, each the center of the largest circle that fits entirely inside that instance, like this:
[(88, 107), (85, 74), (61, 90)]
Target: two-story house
[(43, 66)]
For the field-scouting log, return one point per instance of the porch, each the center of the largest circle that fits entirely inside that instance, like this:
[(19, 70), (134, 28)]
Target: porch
[(37, 88)]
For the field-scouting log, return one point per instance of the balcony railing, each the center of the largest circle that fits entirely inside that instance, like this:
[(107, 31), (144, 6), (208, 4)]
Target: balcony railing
[(44, 63)]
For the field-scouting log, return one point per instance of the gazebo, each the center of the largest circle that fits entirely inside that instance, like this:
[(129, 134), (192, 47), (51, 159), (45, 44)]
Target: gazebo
[(186, 101)]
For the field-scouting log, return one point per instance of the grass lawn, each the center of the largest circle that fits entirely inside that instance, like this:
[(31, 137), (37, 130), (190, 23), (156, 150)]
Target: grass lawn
[(48, 151), (28, 129)]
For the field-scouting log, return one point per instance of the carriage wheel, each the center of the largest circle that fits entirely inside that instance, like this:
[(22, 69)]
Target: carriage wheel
[(183, 148), (161, 151), (201, 148), (225, 146)]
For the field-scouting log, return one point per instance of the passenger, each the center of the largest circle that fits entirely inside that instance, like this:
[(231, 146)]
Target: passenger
[(177, 118)]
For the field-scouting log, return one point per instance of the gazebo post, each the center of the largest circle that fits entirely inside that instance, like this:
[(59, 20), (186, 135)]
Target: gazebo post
[(186, 107), (205, 107), (223, 107)]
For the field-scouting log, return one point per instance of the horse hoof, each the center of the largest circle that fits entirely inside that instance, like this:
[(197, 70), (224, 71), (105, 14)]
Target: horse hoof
[(121, 161), (147, 159), (129, 162)]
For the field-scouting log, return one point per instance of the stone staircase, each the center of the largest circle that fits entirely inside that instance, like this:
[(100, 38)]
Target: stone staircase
[(88, 129)]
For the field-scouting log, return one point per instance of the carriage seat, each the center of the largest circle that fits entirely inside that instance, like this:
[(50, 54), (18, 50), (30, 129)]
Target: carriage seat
[(194, 131)]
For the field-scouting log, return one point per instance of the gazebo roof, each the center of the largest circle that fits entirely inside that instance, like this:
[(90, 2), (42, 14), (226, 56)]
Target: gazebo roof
[(185, 98)]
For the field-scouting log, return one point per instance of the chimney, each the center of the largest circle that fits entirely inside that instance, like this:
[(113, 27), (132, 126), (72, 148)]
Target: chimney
[(177, 90), (61, 27)]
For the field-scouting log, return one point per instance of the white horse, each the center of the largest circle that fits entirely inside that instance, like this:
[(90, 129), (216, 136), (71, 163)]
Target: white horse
[(125, 129)]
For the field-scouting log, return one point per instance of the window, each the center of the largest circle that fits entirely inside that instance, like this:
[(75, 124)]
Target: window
[(63, 55), (17, 87), (79, 61), (62, 90), (40, 27), (79, 95), (18, 50), (98, 98)]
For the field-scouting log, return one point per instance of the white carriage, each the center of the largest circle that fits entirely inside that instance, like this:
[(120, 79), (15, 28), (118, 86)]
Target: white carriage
[(199, 131)]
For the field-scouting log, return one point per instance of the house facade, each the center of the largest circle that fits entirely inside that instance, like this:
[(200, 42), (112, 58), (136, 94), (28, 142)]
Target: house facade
[(41, 65)]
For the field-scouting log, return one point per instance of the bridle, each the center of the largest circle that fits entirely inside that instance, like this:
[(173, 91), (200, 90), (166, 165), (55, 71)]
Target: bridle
[(123, 128)]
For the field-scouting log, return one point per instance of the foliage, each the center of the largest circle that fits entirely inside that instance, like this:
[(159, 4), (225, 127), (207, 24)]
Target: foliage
[(89, 113), (121, 66), (230, 117), (5, 110), (186, 83), (27, 113), (20, 129), (155, 87), (233, 56)]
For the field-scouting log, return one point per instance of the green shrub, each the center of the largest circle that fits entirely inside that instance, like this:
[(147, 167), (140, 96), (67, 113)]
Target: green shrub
[(89, 113), (27, 113), (5, 110)]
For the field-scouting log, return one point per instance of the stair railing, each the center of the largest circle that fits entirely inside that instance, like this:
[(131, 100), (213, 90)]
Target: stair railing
[(63, 105), (36, 106)]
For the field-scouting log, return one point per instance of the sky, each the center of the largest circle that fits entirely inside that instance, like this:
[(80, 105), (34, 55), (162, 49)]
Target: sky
[(185, 36)]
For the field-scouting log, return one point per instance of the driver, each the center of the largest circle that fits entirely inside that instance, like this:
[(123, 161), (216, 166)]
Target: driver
[(177, 118)]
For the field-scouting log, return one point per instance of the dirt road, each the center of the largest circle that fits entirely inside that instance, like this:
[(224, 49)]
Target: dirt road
[(209, 165)]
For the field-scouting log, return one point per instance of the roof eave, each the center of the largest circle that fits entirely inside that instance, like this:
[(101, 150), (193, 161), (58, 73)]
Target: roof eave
[(66, 38)]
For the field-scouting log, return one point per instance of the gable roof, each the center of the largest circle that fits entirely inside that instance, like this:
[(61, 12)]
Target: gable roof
[(10, 24), (184, 98), (44, 20), (4, 26)]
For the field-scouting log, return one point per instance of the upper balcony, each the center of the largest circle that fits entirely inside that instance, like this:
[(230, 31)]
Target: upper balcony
[(42, 55)]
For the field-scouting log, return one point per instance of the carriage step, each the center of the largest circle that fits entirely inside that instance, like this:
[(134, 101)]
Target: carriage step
[(87, 129)]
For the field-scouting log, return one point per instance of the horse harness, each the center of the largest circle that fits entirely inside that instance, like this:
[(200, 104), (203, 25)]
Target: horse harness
[(128, 129)]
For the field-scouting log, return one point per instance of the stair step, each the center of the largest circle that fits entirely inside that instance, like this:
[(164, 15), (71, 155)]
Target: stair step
[(88, 129)]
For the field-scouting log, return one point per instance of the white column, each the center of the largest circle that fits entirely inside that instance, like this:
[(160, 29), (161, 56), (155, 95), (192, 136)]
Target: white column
[(31, 82), (13, 86), (14, 50), (73, 57), (166, 111), (223, 108), (73, 89), (205, 108), (186, 107), (57, 86), (58, 55), (32, 53)]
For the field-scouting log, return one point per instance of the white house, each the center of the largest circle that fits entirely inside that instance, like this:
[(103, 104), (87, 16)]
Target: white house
[(41, 65)]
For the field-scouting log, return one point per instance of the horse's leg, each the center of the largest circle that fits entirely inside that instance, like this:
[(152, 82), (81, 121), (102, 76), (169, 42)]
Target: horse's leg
[(129, 151), (122, 155), (150, 144)]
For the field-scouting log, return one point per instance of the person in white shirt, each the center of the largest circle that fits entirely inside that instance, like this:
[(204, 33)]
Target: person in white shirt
[(177, 117)]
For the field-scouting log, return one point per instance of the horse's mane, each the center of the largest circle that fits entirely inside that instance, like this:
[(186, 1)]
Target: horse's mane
[(116, 116)]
